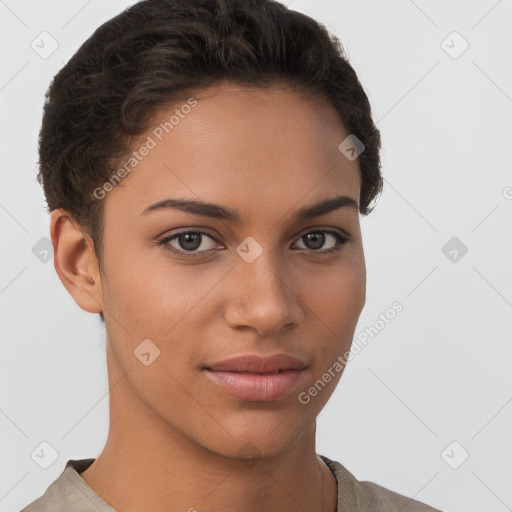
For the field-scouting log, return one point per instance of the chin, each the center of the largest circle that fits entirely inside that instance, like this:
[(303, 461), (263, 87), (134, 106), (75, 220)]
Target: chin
[(252, 443)]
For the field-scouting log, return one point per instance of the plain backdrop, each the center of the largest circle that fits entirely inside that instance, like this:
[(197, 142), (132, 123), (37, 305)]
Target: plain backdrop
[(425, 407)]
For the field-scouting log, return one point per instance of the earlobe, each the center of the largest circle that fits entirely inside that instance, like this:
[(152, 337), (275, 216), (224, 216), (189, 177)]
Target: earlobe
[(75, 261)]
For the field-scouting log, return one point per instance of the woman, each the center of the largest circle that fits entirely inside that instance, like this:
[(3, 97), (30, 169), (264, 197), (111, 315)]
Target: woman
[(205, 164)]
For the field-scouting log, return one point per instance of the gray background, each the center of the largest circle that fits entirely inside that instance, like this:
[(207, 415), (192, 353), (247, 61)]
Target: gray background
[(438, 373)]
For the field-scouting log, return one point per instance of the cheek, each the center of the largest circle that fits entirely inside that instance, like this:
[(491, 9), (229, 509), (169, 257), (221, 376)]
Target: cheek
[(335, 313), (155, 296), (335, 304), (339, 296)]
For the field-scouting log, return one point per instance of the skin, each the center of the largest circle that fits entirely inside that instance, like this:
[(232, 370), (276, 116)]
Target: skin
[(178, 442)]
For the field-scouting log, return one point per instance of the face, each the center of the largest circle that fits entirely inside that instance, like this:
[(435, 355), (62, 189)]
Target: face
[(204, 288)]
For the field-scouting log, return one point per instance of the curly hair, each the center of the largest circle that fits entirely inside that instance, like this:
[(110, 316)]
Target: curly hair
[(158, 51)]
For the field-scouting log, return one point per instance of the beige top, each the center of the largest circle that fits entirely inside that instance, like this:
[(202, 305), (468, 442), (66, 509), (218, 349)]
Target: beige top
[(70, 493)]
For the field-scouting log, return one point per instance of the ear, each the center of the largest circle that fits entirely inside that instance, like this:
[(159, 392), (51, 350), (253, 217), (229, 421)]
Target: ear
[(75, 261)]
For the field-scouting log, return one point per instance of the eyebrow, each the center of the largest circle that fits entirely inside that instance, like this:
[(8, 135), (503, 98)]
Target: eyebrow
[(222, 212)]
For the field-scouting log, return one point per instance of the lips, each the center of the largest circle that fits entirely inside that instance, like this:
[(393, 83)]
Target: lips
[(257, 378), (259, 364)]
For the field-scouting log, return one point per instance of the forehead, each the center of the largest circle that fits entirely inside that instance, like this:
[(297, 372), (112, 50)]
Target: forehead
[(250, 148)]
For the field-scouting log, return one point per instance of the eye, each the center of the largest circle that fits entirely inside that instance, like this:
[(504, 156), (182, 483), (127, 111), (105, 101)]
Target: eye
[(187, 242), (315, 240)]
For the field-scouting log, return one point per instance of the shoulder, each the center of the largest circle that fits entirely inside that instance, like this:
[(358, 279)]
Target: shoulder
[(355, 495), (390, 501), (69, 493)]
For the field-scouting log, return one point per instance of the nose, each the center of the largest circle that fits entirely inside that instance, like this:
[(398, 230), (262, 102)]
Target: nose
[(262, 296)]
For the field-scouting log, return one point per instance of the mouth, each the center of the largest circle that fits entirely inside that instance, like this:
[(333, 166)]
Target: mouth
[(253, 363), (257, 386), (255, 377)]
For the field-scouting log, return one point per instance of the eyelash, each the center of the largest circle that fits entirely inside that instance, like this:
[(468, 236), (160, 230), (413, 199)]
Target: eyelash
[(341, 241)]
